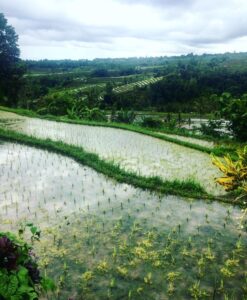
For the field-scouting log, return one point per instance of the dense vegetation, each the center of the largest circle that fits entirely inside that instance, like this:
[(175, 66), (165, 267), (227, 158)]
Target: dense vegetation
[(85, 89), (187, 80), (20, 277)]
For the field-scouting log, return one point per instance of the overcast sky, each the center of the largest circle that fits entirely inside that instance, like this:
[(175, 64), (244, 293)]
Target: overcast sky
[(57, 29)]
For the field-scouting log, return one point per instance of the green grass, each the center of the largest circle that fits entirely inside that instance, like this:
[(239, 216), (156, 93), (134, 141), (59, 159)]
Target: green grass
[(186, 188), (219, 150)]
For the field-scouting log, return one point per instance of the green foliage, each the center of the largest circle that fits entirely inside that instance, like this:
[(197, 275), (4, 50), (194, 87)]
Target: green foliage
[(75, 104), (94, 114), (188, 81), (17, 285), (170, 123), (125, 116), (235, 172), (80, 110), (196, 292), (212, 128), (11, 70), (235, 110), (152, 122), (56, 104), (19, 274)]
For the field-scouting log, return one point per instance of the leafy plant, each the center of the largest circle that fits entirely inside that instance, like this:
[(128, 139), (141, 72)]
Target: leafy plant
[(19, 274), (235, 171), (57, 103), (94, 114), (172, 277), (148, 278), (125, 116), (151, 122), (170, 123), (196, 292), (103, 267), (235, 176), (235, 110), (212, 128)]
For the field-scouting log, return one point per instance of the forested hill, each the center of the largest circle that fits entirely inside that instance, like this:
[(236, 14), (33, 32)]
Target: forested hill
[(185, 83), (229, 61)]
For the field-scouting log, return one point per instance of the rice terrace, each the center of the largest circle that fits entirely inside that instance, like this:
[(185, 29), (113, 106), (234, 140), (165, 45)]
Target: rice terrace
[(121, 178)]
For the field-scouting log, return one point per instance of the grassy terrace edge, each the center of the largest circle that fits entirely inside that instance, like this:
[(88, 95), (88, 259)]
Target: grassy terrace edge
[(186, 188), (219, 151)]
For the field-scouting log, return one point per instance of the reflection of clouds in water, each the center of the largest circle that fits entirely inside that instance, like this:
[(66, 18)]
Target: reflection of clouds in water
[(54, 192), (48, 186), (136, 152), (190, 140), (48, 181)]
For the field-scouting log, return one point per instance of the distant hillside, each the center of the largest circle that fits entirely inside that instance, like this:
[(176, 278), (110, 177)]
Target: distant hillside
[(180, 83)]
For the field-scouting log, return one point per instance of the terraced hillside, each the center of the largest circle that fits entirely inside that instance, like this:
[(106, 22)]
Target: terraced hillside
[(129, 87)]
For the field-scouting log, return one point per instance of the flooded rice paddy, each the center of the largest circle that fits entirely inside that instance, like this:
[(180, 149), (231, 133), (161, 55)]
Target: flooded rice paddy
[(191, 140), (135, 152), (104, 240)]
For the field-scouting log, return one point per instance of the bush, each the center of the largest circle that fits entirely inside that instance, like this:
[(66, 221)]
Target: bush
[(94, 114), (19, 274), (235, 110), (212, 128), (151, 122), (125, 116), (235, 172), (56, 104)]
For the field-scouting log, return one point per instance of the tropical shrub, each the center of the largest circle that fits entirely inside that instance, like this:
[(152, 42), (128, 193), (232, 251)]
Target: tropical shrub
[(235, 178), (235, 172), (235, 110), (94, 114), (56, 104), (151, 122), (212, 128), (19, 274), (125, 116)]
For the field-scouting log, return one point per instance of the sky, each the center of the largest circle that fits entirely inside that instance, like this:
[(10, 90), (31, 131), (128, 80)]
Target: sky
[(87, 29)]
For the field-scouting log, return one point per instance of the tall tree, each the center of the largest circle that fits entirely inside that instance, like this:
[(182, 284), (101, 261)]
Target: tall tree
[(11, 69)]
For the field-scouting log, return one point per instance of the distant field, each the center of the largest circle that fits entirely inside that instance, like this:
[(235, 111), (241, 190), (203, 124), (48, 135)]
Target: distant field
[(131, 86)]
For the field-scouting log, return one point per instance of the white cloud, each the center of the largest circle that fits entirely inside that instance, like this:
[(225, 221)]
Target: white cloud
[(114, 28)]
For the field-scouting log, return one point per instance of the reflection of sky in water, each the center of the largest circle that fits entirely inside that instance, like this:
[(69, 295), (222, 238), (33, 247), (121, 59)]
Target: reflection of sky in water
[(135, 152), (66, 199), (39, 185), (190, 140)]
